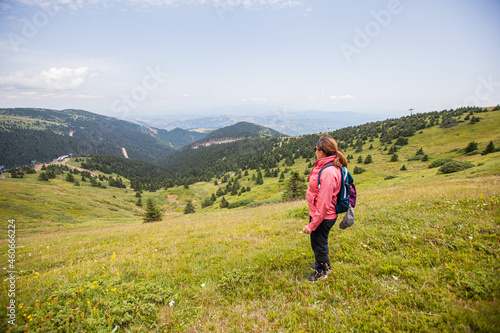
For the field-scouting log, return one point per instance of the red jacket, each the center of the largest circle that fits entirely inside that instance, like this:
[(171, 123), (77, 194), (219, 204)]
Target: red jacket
[(322, 200)]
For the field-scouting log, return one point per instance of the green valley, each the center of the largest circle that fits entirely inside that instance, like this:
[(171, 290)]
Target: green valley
[(423, 254)]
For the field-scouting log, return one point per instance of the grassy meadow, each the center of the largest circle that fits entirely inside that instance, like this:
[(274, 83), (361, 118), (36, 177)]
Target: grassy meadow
[(422, 256)]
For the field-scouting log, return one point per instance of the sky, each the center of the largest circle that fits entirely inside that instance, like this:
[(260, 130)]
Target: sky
[(133, 58)]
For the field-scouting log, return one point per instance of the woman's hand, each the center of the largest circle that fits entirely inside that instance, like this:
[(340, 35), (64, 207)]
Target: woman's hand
[(306, 230)]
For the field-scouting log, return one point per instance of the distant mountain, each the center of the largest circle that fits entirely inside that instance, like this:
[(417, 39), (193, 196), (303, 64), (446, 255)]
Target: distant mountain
[(238, 131), (29, 134), (291, 123)]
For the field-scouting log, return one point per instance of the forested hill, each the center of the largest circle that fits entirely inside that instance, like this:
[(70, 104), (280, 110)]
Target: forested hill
[(238, 131), (188, 165), (41, 134)]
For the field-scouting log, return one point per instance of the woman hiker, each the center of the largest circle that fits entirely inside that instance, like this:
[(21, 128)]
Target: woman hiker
[(322, 200)]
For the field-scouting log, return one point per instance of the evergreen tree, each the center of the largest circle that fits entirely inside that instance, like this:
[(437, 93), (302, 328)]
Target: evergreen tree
[(472, 146), (189, 209), (360, 159), (43, 177), (259, 180), (394, 158), (206, 203), (295, 188), (70, 178), (420, 152), (213, 198), (425, 158), (223, 203), (490, 148), (368, 159), (403, 168), (152, 212), (139, 202)]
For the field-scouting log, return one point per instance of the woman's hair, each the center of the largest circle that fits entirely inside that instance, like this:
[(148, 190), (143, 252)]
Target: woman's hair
[(329, 146)]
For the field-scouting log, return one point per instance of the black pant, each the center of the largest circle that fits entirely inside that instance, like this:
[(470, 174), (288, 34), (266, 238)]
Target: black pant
[(319, 244)]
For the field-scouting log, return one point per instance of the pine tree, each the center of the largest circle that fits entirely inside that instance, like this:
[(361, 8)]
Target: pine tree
[(259, 180), (189, 209), (360, 159), (368, 159), (152, 212), (295, 188), (70, 178), (403, 168), (139, 202), (223, 203), (490, 148), (472, 146), (394, 158)]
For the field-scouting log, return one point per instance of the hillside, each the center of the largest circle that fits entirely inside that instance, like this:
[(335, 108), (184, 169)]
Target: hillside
[(239, 131), (42, 135), (422, 256)]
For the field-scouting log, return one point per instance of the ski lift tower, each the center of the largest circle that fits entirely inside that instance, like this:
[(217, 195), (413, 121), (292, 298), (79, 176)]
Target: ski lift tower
[(411, 111)]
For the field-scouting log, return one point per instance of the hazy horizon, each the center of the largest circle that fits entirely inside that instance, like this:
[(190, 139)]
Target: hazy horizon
[(144, 58)]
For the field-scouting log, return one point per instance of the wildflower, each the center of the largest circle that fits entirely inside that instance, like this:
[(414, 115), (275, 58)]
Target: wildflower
[(203, 285), (171, 303), (395, 277)]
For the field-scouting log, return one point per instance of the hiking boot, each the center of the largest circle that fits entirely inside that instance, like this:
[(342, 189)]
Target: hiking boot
[(314, 268), (313, 277)]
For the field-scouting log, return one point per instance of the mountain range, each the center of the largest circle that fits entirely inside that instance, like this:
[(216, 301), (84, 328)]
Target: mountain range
[(291, 123), (29, 134), (32, 134)]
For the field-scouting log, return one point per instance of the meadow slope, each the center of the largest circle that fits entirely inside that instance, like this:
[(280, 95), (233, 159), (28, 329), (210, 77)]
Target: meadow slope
[(423, 254)]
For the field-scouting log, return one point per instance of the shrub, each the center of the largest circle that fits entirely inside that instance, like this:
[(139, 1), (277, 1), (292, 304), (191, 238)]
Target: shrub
[(439, 162), (389, 177), (358, 170), (403, 168), (454, 166), (394, 158), (368, 159), (240, 203)]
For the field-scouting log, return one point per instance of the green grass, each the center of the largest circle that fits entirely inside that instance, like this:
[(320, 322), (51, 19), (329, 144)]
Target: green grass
[(423, 254)]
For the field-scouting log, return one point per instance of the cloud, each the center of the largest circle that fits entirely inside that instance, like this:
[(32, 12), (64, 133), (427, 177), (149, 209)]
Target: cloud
[(48, 80), (32, 95), (75, 4), (342, 97), (255, 99)]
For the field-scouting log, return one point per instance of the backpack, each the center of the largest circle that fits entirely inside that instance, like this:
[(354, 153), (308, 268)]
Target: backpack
[(347, 194)]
